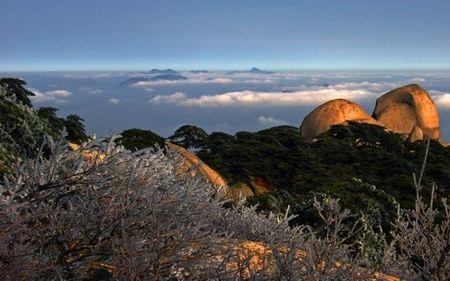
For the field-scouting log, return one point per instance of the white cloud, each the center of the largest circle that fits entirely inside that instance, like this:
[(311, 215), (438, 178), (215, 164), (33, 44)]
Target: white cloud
[(417, 80), (252, 98), (442, 99), (208, 78), (173, 98), (55, 96), (147, 84), (95, 92), (93, 75), (370, 86), (270, 121), (91, 90), (114, 101)]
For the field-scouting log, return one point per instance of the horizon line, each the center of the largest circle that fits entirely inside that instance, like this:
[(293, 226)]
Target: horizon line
[(225, 69)]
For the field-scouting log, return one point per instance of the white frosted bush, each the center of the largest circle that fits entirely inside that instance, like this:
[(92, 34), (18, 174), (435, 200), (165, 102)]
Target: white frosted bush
[(135, 216), (131, 214)]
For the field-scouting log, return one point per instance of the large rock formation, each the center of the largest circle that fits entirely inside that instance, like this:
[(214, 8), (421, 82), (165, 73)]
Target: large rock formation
[(331, 113), (409, 110)]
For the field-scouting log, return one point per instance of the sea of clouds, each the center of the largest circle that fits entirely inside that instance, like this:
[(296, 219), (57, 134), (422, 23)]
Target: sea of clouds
[(219, 101)]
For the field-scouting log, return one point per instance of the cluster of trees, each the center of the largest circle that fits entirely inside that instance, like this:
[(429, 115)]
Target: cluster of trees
[(367, 168), (23, 128), (137, 139)]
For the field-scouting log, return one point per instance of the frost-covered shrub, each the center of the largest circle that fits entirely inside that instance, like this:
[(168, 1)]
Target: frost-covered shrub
[(134, 216), (128, 216)]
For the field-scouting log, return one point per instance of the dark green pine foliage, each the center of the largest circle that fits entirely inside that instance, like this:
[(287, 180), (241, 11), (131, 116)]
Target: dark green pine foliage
[(189, 136), (54, 124), (135, 139), (75, 129), (368, 168), (14, 91), (22, 128)]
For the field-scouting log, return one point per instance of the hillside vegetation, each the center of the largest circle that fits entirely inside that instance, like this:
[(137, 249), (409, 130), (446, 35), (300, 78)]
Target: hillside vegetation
[(368, 168), (355, 202), (24, 128)]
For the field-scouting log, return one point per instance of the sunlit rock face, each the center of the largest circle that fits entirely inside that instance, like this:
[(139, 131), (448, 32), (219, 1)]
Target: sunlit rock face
[(331, 113), (409, 110), (192, 161)]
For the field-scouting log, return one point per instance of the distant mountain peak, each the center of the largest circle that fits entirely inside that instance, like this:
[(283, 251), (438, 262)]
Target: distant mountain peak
[(133, 80), (168, 77), (156, 71), (199, 71), (160, 77), (259, 71), (253, 70)]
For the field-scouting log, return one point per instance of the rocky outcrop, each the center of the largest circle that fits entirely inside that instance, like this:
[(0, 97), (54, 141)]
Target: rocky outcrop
[(192, 161), (260, 186), (248, 257), (257, 186), (332, 113), (410, 111)]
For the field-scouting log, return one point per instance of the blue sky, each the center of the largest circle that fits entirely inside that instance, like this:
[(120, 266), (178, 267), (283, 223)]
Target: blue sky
[(126, 35)]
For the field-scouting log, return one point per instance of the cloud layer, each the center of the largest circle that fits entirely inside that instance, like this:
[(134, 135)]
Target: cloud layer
[(268, 121), (253, 98), (208, 78), (295, 96), (442, 99), (55, 96), (90, 90), (114, 101), (147, 84)]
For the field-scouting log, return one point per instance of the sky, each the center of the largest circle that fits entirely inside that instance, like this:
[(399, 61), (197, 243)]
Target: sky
[(57, 35)]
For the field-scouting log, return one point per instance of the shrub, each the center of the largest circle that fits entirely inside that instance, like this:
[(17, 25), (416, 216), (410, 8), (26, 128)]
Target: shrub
[(133, 216)]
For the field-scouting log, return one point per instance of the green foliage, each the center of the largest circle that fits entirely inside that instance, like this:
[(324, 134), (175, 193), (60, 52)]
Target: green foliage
[(136, 139), (366, 167), (274, 154), (22, 128), (75, 129), (189, 136), (13, 90), (54, 124), (363, 199)]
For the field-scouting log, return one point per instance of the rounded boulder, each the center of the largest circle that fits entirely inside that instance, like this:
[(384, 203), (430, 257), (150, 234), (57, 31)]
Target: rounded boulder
[(334, 112), (408, 110)]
